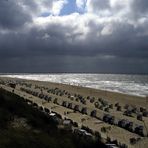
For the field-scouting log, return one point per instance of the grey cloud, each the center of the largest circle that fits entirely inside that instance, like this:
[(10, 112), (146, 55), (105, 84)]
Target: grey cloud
[(140, 6), (99, 5), (124, 42), (12, 15)]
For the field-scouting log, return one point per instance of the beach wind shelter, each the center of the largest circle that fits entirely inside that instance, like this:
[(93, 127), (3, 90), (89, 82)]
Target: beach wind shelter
[(70, 105), (76, 108), (12, 85), (93, 113), (46, 110), (147, 99), (139, 130), (139, 117), (64, 103), (84, 110), (145, 113)]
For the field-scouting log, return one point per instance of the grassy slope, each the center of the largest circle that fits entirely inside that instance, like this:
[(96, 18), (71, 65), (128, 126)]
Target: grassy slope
[(42, 131)]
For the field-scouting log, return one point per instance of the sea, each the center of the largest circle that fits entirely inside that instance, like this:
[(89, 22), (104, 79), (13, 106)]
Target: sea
[(128, 84)]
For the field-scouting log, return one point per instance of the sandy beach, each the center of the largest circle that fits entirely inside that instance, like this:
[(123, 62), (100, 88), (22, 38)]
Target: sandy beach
[(91, 99)]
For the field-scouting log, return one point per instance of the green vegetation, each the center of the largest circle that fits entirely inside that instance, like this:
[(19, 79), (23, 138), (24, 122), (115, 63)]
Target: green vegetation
[(33, 128)]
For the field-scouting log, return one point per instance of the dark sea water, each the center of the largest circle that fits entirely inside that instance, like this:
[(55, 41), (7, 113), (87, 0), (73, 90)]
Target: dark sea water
[(129, 84)]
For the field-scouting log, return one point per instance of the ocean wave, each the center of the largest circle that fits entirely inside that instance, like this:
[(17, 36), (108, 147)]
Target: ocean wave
[(129, 84)]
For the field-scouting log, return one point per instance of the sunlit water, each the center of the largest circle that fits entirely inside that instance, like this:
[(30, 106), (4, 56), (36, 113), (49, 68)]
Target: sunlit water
[(129, 84)]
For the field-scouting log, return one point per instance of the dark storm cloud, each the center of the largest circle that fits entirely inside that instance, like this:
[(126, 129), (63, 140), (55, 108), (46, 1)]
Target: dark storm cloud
[(140, 6), (58, 46), (124, 42), (52, 41), (12, 15)]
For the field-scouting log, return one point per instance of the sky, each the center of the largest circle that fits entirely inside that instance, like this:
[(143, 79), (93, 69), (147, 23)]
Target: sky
[(91, 36)]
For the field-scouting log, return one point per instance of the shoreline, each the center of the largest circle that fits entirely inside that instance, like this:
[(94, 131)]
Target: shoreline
[(77, 85), (104, 86)]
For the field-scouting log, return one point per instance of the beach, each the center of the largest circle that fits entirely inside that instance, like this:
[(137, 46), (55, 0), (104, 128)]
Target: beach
[(103, 102)]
